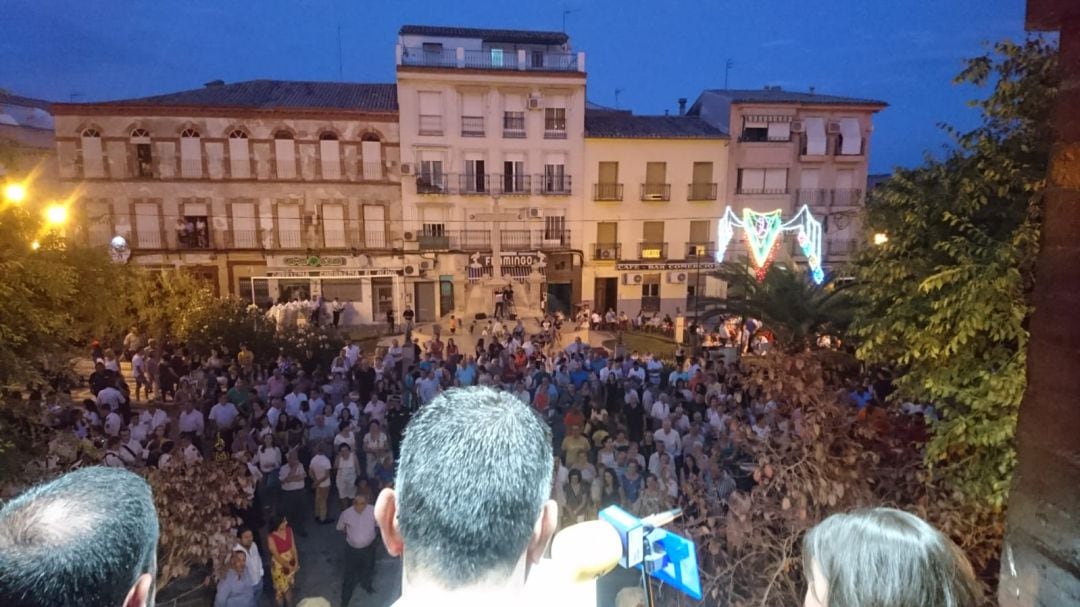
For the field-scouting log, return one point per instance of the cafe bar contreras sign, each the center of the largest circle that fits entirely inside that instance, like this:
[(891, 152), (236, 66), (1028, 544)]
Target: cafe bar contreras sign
[(659, 266)]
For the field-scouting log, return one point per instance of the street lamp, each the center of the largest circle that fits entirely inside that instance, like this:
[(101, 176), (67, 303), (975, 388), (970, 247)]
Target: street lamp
[(56, 215), (881, 238), (15, 193)]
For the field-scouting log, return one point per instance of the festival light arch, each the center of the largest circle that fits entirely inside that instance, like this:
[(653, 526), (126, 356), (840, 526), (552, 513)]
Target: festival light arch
[(763, 234)]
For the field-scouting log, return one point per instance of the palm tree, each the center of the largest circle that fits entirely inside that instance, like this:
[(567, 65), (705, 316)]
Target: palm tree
[(787, 301)]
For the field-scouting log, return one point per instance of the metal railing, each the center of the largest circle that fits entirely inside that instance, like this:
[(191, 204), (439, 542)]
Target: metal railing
[(656, 191), (429, 57), (491, 59), (472, 126), (245, 239), (331, 170), (196, 239), (148, 239), (534, 239), (375, 239), (701, 191), (700, 250), (607, 191), (606, 251), (514, 125), (469, 183), (761, 137), (554, 185), (291, 239), (650, 303), (372, 171), (191, 168), (488, 59), (431, 184), (847, 197), (470, 240), (845, 246), (434, 242), (763, 190), (555, 133), (652, 250), (513, 185)]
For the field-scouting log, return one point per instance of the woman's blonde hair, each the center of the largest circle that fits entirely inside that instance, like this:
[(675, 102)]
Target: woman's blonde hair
[(884, 556)]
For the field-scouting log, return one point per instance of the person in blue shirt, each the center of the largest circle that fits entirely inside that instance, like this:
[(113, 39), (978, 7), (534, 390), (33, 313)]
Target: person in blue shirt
[(234, 590), (466, 373), (578, 377)]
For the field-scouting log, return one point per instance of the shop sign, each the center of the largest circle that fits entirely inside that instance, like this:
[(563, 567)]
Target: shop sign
[(509, 260), (316, 261), (639, 266)]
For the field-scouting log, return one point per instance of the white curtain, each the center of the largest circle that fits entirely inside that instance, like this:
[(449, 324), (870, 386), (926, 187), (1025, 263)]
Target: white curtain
[(815, 136)]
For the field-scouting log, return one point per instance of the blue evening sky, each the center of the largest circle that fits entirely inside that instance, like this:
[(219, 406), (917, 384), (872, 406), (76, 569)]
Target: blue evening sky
[(902, 51)]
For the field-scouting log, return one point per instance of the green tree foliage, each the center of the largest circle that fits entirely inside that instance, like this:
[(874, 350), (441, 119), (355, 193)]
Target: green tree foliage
[(787, 301), (945, 299)]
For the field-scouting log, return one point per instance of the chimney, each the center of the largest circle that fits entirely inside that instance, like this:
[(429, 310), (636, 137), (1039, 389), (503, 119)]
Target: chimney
[(214, 83), (811, 89), (682, 106)]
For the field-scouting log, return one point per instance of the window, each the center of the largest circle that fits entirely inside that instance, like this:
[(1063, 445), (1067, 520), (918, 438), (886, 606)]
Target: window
[(703, 186), (849, 141), (475, 179), (99, 222), (93, 159), (763, 181), (285, 155), (556, 180), (330, 156), (290, 231), (766, 128), (333, 224), (814, 142), (431, 113), (653, 245), (245, 230), (537, 59), (190, 154), (254, 291), (472, 114), (555, 123), (655, 186), (371, 156), (239, 155), (555, 228), (144, 153), (374, 226), (608, 186), (607, 233), (147, 225), (193, 232), (431, 177), (514, 179), (514, 116), (699, 238), (496, 57), (650, 293)]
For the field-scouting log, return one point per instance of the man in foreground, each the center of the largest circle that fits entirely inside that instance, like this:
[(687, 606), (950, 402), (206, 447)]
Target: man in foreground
[(471, 512), (88, 538)]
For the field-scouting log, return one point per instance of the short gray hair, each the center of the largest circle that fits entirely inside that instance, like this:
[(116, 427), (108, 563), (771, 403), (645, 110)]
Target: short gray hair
[(884, 556)]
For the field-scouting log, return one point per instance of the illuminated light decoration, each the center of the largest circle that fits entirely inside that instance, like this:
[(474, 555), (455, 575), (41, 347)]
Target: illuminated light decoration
[(15, 192), (763, 232)]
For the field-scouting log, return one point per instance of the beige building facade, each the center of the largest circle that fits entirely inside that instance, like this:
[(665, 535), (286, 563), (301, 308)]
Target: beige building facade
[(271, 190), (657, 186), (790, 149), (492, 141)]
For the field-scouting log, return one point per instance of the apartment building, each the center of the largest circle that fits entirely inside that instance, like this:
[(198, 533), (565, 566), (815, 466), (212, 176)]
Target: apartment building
[(656, 190), (269, 189), (29, 155), (492, 127), (790, 149)]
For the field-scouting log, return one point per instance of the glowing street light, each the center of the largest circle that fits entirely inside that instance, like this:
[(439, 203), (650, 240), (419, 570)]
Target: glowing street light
[(881, 238), (15, 193), (56, 215), (35, 245)]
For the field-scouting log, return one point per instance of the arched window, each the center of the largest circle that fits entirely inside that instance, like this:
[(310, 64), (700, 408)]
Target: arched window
[(330, 155), (371, 157), (144, 153), (190, 154), (93, 159), (285, 154), (239, 155)]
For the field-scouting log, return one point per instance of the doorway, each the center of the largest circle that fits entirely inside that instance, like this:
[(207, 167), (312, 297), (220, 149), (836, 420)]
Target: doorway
[(558, 297), (382, 298), (446, 295), (424, 295), (606, 294)]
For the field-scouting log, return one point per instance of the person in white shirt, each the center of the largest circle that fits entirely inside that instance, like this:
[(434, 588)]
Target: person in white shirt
[(188, 451), (661, 410), (112, 457), (110, 397), (113, 423), (153, 416), (654, 459), (680, 422), (254, 562), (293, 400), (130, 449), (138, 369), (358, 525), (670, 437), (224, 414), (352, 353), (191, 421), (319, 469), (268, 457), (376, 409), (291, 498)]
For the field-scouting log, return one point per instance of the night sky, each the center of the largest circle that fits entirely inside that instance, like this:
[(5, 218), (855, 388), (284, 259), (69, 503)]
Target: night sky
[(904, 52)]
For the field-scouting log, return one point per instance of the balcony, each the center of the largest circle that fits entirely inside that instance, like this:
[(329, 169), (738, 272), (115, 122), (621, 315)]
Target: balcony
[(761, 136), (762, 191), (431, 184), (514, 125), (607, 191), (191, 168), (291, 239), (841, 247), (245, 239), (198, 239), (470, 184), (554, 185), (656, 191), (456, 240), (472, 126), (434, 242), (372, 171), (605, 251), (555, 133), (437, 56), (829, 198), (652, 250), (847, 198), (701, 251), (375, 239), (701, 191), (148, 239), (532, 240), (514, 185)]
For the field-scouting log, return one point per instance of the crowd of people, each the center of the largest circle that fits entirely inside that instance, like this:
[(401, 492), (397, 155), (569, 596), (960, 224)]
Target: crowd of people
[(631, 429)]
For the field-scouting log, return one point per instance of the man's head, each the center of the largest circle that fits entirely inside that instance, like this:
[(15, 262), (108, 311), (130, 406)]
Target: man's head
[(360, 501), (471, 505), (239, 561), (87, 538)]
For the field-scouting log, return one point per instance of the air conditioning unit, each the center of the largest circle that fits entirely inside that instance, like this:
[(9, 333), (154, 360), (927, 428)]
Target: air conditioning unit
[(605, 252), (654, 197), (534, 102), (676, 277), (797, 126), (406, 168), (833, 128), (411, 271), (536, 213), (632, 279), (410, 236), (425, 265)]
